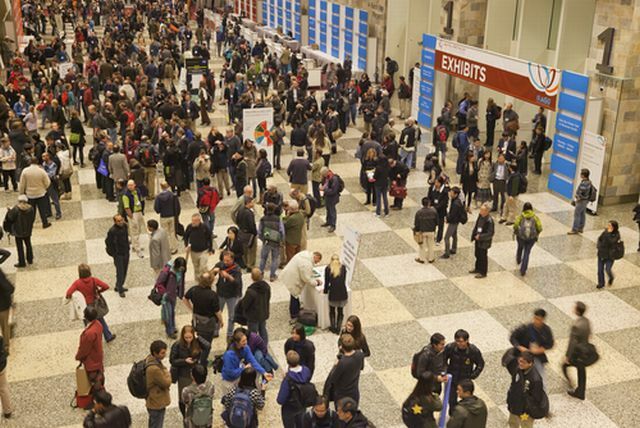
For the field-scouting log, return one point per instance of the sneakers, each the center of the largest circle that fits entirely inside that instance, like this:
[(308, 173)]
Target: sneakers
[(419, 260), (44, 226), (331, 229), (273, 278), (444, 256), (480, 275)]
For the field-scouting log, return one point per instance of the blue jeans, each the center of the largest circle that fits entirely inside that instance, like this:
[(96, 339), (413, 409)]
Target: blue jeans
[(579, 216), (332, 215), (522, 254), (209, 219), (407, 157), (381, 196), (261, 329), (353, 108), (105, 329), (52, 192), (266, 361), (604, 265), (156, 418), (170, 317), (274, 250), (231, 302)]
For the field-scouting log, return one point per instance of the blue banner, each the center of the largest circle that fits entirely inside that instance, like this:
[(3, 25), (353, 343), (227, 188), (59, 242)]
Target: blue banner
[(424, 119), (566, 146), (428, 57), (426, 89), (571, 103), (575, 82), (563, 166), (569, 125), (427, 73), (426, 104), (428, 42), (561, 185)]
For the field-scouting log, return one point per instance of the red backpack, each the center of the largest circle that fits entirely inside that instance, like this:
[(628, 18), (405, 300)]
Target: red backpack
[(208, 199), (442, 133)]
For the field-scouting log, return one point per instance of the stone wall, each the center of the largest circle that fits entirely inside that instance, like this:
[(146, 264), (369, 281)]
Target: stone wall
[(621, 92)]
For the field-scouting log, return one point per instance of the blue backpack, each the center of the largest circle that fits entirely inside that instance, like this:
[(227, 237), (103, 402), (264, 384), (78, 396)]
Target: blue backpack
[(241, 413)]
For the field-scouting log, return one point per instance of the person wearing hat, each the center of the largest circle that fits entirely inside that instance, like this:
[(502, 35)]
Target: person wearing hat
[(21, 218)]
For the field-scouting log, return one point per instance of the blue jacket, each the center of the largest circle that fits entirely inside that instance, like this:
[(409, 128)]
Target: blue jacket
[(231, 368), (303, 376)]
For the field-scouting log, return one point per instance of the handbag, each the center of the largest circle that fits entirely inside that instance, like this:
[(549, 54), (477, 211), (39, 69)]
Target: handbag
[(586, 354), (102, 168), (246, 238), (397, 191), (99, 304), (83, 386), (205, 325), (337, 134)]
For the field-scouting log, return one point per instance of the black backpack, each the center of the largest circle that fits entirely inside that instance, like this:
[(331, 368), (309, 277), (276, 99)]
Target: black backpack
[(415, 360), (522, 188), (137, 379), (7, 224), (340, 183), (313, 204), (302, 395), (617, 251)]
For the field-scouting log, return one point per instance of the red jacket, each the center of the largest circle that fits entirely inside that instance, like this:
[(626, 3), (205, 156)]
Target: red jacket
[(90, 349), (87, 287)]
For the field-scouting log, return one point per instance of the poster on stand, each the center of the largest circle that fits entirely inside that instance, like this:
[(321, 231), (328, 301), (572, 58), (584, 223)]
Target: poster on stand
[(349, 253), (592, 158), (257, 125)]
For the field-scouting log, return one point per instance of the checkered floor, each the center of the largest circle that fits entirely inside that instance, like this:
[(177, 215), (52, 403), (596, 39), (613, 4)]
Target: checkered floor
[(400, 303)]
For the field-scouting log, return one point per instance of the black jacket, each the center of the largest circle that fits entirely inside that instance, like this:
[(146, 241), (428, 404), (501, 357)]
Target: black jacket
[(526, 393), (22, 216), (117, 241), (484, 227), (456, 211), (307, 351), (198, 237), (255, 303), (381, 174), (110, 417), (6, 292), (247, 221), (178, 359), (439, 198), (527, 334), (463, 364), (298, 137), (229, 288), (336, 287), (430, 361), (606, 242), (426, 220)]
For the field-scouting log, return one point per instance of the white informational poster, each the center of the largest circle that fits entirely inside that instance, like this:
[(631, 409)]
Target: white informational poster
[(63, 68), (415, 94), (349, 253), (257, 124), (592, 158)]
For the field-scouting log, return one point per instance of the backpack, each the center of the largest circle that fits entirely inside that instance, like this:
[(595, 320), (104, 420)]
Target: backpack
[(522, 188), (146, 156), (217, 364), (340, 183), (499, 112), (7, 224), (547, 143), (465, 216), (201, 409), (241, 413), (64, 98), (527, 229), (393, 66), (137, 380), (442, 133), (593, 194), (415, 360), (617, 252), (313, 204), (205, 197), (302, 395)]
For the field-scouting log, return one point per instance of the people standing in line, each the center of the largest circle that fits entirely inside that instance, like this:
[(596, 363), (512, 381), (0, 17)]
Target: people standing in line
[(292, 409), (320, 415), (90, 353), (344, 378), (171, 281), (298, 273), (331, 191), (199, 245), (585, 193), (90, 288), (424, 227), (456, 215), (535, 337), (471, 411), (526, 399), (159, 248), (481, 236), (198, 399), (204, 303), (499, 181), (335, 285), (431, 360), (527, 228), (105, 414), (418, 408), (167, 205), (133, 203), (607, 246), (463, 361), (228, 287), (34, 183), (117, 246), (255, 305), (21, 218), (185, 354), (579, 337), (158, 381)]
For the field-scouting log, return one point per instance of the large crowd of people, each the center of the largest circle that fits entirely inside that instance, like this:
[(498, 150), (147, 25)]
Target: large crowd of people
[(122, 110)]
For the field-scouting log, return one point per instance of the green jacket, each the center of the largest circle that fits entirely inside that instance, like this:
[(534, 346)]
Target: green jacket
[(527, 214), (293, 225)]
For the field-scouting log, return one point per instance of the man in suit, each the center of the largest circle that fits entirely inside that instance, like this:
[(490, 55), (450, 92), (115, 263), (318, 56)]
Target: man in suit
[(159, 248), (118, 166), (580, 332)]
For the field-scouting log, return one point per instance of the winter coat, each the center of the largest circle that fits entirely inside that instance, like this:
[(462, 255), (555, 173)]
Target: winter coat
[(158, 384), (90, 350), (298, 272), (336, 287), (606, 242), (22, 216), (255, 303)]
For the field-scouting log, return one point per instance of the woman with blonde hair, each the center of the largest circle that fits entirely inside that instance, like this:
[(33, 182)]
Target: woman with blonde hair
[(185, 353), (369, 164), (335, 285)]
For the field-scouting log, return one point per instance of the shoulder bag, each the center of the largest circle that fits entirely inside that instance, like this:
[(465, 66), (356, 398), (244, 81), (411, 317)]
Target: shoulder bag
[(99, 304)]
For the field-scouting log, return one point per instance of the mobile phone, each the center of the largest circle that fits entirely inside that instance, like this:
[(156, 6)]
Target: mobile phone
[(264, 381)]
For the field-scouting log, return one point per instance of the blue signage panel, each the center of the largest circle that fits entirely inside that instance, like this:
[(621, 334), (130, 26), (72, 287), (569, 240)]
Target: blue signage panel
[(362, 61), (364, 28), (572, 103), (560, 185), (348, 12), (569, 125), (428, 57), (564, 166), (428, 42), (424, 119), (575, 82), (364, 16), (427, 73), (335, 8), (426, 89), (566, 146), (426, 104)]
